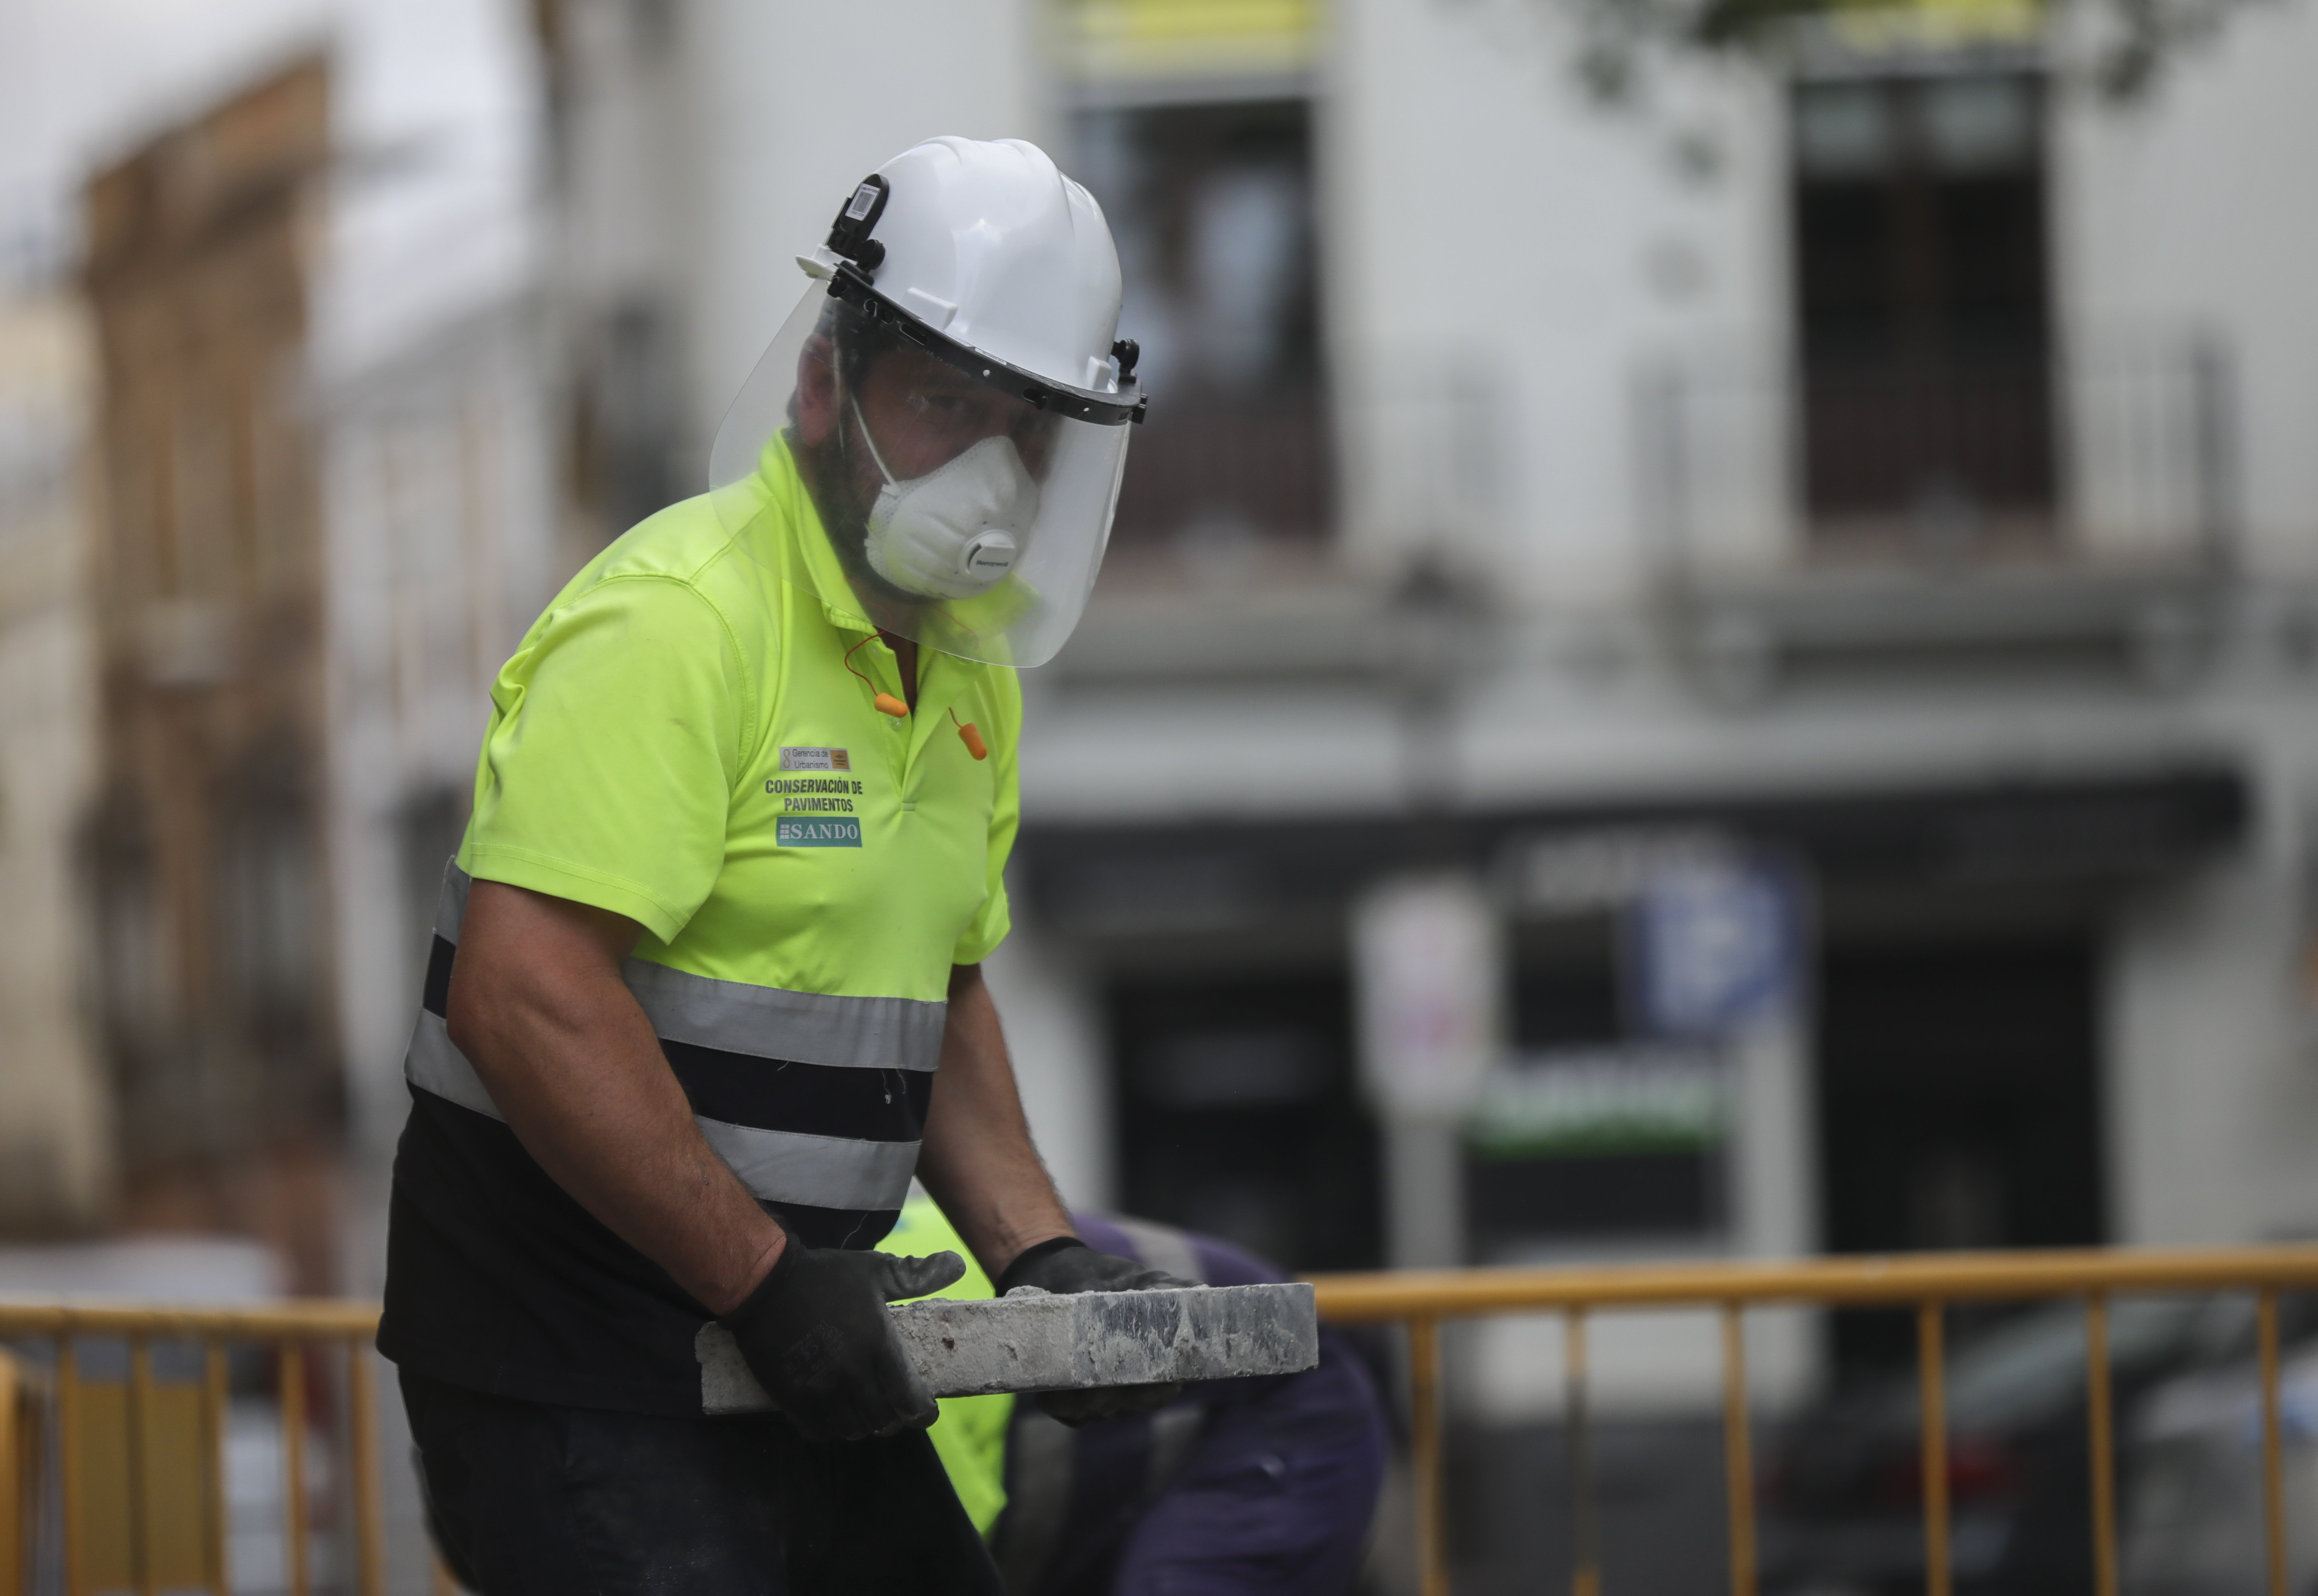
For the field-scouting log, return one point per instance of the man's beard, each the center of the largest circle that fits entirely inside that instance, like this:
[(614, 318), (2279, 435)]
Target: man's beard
[(834, 483)]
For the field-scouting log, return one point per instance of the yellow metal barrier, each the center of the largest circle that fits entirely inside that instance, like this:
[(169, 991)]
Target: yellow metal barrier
[(141, 1478), (1928, 1283)]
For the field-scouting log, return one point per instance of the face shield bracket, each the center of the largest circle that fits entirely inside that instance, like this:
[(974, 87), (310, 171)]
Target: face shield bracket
[(850, 284)]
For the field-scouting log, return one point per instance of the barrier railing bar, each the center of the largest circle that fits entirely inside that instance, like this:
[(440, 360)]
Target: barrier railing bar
[(1585, 1537), (292, 1376), (2101, 1439), (1738, 1450), (142, 1572), (1931, 1381), (216, 1392), (2273, 1483), (321, 1316), (68, 1489), (1424, 1454), (362, 1425), (1843, 1282)]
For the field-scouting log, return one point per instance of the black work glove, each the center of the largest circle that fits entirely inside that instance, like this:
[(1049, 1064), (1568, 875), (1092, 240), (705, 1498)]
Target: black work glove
[(816, 1334), (1067, 1264)]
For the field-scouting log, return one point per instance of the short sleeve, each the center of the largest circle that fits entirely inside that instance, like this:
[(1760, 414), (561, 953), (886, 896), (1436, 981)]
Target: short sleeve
[(989, 927), (616, 735)]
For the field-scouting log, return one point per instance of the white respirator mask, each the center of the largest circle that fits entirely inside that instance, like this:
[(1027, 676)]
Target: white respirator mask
[(954, 531)]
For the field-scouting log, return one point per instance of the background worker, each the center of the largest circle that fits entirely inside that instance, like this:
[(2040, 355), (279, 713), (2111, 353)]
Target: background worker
[(706, 986), (1239, 1487)]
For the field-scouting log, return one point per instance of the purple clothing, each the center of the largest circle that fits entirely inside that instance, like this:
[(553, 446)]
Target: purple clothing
[(1241, 1486)]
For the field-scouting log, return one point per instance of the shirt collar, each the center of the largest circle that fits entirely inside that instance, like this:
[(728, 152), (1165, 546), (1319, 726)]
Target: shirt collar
[(793, 542)]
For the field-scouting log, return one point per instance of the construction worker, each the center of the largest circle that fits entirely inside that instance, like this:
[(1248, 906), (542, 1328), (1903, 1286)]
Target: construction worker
[(1237, 1487), (739, 823)]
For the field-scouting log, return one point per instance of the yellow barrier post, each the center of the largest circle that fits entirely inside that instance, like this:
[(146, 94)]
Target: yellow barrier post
[(1585, 1543), (1931, 1376), (2101, 1438), (1424, 1454), (291, 1375), (1738, 1450), (361, 1411), (68, 1492), (141, 1454), (216, 1395), (2273, 1461), (15, 1478)]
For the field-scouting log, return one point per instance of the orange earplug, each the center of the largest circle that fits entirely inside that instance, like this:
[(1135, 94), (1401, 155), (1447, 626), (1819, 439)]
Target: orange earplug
[(889, 704), (973, 740)]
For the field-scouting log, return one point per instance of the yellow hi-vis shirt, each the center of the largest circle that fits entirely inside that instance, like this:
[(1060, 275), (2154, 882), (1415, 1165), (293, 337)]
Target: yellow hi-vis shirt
[(678, 739)]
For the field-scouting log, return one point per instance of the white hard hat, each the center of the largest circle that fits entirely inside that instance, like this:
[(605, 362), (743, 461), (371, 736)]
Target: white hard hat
[(989, 244), (987, 265)]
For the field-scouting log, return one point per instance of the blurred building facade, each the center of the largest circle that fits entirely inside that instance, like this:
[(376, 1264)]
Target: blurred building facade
[(58, 1146), (1871, 468), (205, 842), (1829, 525), (331, 513)]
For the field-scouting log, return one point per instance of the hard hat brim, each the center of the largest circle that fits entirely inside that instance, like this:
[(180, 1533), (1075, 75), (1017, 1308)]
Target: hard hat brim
[(849, 283)]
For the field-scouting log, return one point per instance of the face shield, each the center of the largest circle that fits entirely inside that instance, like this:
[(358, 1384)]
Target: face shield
[(966, 502)]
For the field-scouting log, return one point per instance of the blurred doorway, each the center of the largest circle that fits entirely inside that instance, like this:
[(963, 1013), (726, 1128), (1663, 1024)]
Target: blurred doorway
[(1238, 1116), (1923, 308), (1211, 204), (1959, 1107)]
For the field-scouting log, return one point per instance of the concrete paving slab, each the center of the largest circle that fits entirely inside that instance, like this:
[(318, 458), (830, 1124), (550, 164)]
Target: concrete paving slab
[(1031, 1341)]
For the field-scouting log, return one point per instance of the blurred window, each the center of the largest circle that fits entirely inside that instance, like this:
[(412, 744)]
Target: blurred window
[(1958, 1107), (1237, 1116), (1923, 305), (1212, 208), (1592, 1132)]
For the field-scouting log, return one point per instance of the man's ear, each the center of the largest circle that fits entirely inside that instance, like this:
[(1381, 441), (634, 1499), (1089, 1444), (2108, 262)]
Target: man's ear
[(816, 391)]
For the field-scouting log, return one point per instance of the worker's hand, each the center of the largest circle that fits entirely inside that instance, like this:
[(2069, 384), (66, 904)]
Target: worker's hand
[(816, 1334), (1071, 1264)]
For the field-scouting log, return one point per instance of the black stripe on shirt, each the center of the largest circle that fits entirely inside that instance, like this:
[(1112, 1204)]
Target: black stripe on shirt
[(768, 1093), (815, 1099), (436, 994)]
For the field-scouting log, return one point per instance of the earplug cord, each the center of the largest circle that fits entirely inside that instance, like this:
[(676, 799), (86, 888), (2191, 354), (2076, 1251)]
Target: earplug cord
[(886, 703)]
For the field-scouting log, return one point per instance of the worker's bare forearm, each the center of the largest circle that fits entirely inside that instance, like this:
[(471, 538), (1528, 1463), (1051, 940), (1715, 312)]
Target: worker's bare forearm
[(978, 1161), (539, 1007)]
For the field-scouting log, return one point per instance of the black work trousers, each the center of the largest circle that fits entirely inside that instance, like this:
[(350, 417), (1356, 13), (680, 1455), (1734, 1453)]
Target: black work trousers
[(529, 1499)]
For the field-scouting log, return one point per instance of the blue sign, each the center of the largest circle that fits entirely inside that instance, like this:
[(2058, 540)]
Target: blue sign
[(1714, 947)]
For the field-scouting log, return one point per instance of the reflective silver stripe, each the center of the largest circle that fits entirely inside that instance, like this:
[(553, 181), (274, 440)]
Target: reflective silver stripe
[(450, 906), (776, 1166), (767, 1021), (435, 1064), (801, 1027), (825, 1171)]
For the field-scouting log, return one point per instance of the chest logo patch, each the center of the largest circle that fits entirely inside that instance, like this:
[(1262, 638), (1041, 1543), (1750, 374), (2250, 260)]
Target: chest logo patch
[(816, 760), (806, 831)]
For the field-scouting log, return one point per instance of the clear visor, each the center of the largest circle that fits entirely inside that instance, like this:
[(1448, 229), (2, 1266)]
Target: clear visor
[(958, 515)]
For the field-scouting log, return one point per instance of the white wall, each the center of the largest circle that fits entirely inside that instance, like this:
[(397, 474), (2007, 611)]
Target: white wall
[(790, 107), (55, 1136), (1052, 1012), (439, 521), (2196, 209), (1482, 214), (2212, 1038)]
